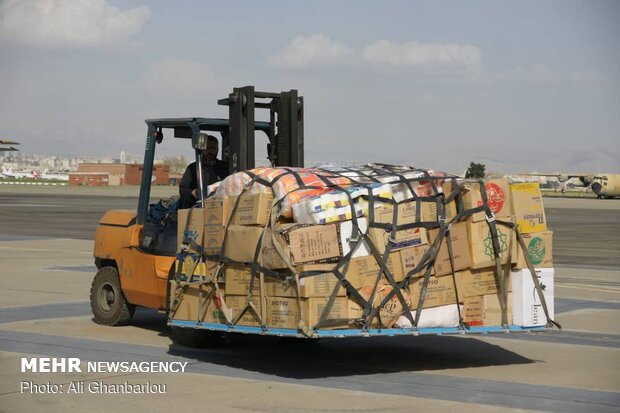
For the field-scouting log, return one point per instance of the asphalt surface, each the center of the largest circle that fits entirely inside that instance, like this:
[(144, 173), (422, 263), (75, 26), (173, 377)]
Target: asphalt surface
[(46, 270), (583, 237)]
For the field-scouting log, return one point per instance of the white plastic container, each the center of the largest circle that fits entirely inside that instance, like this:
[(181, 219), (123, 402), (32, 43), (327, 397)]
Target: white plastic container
[(527, 310)]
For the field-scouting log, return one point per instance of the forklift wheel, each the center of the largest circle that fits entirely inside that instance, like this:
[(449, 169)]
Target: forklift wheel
[(107, 301)]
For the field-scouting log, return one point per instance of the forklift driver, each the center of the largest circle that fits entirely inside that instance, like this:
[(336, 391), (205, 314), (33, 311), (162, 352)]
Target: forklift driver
[(213, 170)]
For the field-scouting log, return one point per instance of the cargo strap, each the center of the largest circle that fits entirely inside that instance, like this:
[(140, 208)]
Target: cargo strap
[(499, 274), (462, 325), (366, 179)]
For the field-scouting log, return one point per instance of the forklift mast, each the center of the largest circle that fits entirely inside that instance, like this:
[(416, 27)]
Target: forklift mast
[(286, 132), (284, 129)]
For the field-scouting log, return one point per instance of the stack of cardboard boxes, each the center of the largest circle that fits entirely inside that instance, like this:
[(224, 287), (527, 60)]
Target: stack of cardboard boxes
[(313, 254)]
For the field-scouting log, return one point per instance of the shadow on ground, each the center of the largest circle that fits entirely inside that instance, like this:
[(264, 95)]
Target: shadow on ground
[(352, 356), (334, 357)]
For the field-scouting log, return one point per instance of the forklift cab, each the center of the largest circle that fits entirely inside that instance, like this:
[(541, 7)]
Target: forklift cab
[(135, 255), (284, 132)]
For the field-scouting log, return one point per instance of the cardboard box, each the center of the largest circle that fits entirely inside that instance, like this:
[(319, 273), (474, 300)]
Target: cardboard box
[(193, 230), (406, 213), (238, 280), (321, 285), (485, 310), (405, 237), (450, 207), (528, 309), (410, 257), (471, 283), (440, 291), (539, 250), (392, 309), (527, 207), (460, 250), (252, 209), (355, 312), (498, 198), (213, 238), (241, 242), (237, 303), (364, 270), (216, 211), (283, 312), (481, 244), (428, 211), (190, 306), (312, 244)]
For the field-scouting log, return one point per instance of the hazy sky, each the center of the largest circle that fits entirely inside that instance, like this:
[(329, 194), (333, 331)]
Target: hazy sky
[(527, 85)]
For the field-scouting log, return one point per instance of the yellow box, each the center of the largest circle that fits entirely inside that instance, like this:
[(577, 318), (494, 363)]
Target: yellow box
[(528, 208)]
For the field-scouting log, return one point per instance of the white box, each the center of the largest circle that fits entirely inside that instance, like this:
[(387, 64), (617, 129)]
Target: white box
[(527, 309), (346, 227)]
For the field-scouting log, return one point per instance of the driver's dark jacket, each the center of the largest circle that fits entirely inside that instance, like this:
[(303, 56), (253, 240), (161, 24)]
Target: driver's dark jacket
[(189, 182)]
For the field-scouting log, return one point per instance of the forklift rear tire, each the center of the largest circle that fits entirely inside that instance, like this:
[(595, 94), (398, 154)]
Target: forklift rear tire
[(107, 300)]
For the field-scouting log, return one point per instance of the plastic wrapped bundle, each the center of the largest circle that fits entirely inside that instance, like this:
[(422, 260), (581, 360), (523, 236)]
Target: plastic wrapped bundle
[(336, 205), (291, 185)]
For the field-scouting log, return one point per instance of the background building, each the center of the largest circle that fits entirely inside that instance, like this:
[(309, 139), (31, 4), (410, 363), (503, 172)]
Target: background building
[(115, 174)]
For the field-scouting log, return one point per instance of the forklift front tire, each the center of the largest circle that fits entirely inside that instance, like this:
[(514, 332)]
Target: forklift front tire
[(107, 300)]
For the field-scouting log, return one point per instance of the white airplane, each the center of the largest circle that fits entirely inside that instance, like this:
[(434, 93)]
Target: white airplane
[(59, 176), (8, 173), (604, 185), (45, 175)]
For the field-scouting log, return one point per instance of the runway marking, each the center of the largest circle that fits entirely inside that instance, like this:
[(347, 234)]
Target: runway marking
[(574, 287), (36, 291), (37, 205), (11, 248)]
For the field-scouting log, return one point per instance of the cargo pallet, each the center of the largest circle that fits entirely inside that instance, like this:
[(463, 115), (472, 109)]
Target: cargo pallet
[(383, 332)]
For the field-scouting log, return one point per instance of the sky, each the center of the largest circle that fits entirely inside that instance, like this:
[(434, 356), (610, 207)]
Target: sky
[(520, 86)]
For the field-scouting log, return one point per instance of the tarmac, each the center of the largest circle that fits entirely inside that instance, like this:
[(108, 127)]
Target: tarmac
[(46, 271)]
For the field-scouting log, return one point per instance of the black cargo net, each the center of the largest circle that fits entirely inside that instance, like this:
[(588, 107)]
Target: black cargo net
[(410, 180)]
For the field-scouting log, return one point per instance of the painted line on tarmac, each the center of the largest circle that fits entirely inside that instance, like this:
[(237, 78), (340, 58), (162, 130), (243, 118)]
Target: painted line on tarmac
[(36, 205), (73, 251), (5, 237), (82, 308), (581, 287), (579, 338), (44, 311), (564, 305), (313, 372)]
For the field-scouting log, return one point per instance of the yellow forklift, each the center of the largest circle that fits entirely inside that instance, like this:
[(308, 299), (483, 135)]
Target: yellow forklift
[(135, 251)]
